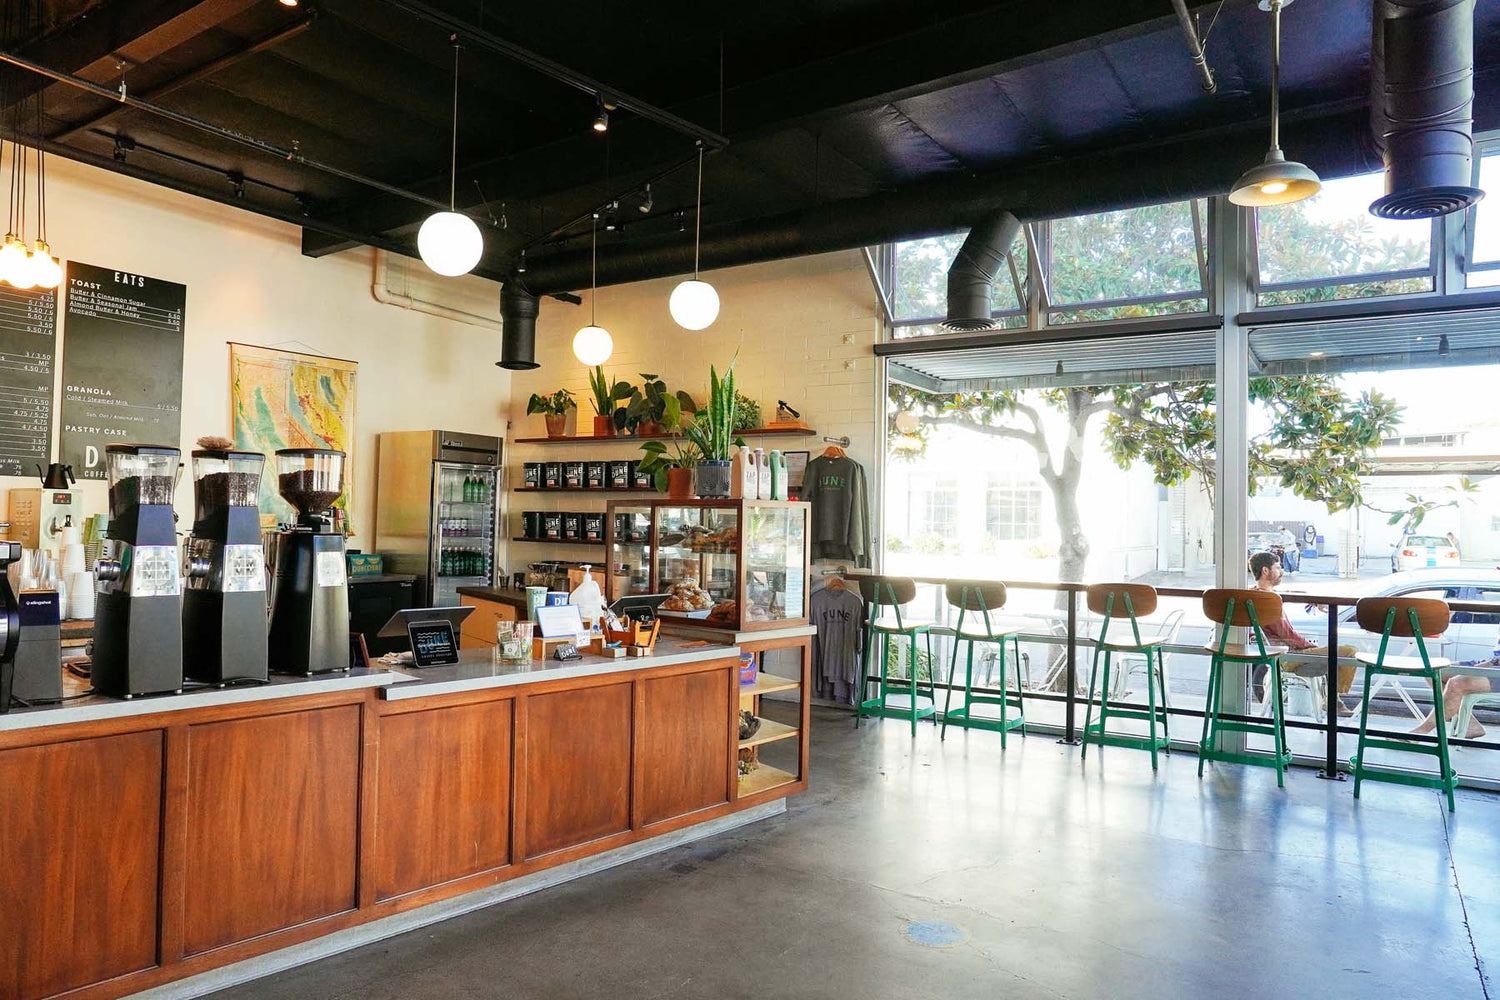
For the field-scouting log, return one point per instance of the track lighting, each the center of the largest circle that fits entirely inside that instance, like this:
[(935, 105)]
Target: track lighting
[(288, 3), (601, 120), (1276, 180), (1443, 348), (521, 264), (695, 304), (646, 202), (449, 242)]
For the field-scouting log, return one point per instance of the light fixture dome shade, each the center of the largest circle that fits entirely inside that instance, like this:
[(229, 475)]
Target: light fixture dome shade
[(1275, 181), (694, 304), (593, 345), (450, 243)]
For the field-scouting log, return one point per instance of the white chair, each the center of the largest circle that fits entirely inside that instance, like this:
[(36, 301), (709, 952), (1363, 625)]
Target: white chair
[(1131, 663)]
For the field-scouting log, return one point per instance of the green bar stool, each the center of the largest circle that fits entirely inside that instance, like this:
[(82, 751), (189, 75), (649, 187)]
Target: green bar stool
[(1243, 609), (978, 599), (1129, 600), (1408, 618), (889, 593)]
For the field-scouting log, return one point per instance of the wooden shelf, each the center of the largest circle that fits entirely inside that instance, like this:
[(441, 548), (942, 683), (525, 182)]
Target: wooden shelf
[(766, 683), (590, 439), (558, 541), (769, 732), (648, 491), (763, 779)]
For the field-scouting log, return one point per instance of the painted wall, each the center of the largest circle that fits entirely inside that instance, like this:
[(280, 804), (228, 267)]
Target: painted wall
[(247, 281)]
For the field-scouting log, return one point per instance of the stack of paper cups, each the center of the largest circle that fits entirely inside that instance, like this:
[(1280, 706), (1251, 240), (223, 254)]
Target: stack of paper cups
[(73, 560), (81, 596)]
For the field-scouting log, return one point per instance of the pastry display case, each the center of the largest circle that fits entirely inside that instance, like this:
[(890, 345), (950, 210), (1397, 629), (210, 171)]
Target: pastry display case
[(733, 564)]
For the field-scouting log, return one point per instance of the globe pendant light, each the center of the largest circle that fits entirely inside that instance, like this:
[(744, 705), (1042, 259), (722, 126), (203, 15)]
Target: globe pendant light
[(449, 242), (1276, 180), (695, 304), (593, 345)]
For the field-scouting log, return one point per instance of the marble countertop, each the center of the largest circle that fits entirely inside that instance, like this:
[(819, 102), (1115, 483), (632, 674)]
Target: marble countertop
[(480, 668)]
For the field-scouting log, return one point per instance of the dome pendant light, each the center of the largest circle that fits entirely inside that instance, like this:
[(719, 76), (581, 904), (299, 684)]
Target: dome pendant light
[(449, 242), (695, 304), (593, 345), (1276, 180)]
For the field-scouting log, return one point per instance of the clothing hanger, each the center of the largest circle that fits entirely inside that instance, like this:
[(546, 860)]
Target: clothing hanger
[(836, 448)]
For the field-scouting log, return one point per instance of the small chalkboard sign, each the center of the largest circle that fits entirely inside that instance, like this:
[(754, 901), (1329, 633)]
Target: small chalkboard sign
[(432, 643)]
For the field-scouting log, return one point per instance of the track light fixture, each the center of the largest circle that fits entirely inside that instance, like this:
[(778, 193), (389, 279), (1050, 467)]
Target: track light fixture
[(449, 242), (521, 264), (646, 201), (1443, 347), (695, 304), (601, 120), (1276, 180)]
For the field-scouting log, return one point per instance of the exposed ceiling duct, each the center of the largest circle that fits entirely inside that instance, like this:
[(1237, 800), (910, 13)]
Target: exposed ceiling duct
[(971, 277), (518, 309), (1422, 106)]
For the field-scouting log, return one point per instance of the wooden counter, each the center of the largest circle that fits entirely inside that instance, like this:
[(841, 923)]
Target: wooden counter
[(145, 847)]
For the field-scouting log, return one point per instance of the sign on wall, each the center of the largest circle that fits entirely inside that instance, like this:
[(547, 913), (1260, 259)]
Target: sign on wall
[(122, 364), (28, 348)]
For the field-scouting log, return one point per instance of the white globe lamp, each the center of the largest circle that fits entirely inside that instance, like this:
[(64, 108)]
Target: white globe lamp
[(907, 422), (450, 243), (694, 304), (593, 345)]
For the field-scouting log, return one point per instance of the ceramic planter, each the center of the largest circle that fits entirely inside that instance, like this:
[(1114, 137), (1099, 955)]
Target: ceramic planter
[(712, 478), (557, 424), (648, 428), (680, 484), (604, 427)]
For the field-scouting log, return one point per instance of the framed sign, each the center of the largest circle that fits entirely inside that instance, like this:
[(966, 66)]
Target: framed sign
[(432, 643), (559, 621), (796, 470)]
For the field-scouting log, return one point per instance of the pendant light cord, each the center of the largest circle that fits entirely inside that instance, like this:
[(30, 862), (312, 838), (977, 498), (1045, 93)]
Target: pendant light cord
[(594, 268), (453, 151), (698, 215), (1275, 74)]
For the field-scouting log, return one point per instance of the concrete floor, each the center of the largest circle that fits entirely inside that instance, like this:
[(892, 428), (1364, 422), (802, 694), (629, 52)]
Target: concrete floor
[(948, 870)]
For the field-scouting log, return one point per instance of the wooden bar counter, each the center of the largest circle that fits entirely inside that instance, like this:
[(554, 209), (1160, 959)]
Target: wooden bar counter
[(151, 840)]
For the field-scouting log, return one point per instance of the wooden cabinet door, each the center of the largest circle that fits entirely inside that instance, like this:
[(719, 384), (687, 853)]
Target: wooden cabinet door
[(576, 766), (479, 628), (683, 743), (272, 823), (80, 839), (443, 800)]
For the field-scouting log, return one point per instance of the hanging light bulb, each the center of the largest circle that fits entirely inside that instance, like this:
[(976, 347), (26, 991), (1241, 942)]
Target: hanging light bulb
[(449, 242), (46, 272), (593, 345), (1276, 180), (12, 260), (695, 303)]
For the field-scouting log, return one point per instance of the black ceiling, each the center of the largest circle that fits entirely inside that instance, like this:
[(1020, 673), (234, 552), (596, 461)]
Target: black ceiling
[(822, 100)]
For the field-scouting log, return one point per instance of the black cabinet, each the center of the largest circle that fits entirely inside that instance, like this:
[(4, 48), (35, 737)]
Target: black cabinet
[(372, 601)]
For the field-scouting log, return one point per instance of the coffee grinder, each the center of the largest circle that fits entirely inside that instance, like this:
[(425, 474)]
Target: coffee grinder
[(138, 620), (224, 604), (309, 592)]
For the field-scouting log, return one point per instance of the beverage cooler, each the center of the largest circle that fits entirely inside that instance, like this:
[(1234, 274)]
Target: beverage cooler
[(437, 510)]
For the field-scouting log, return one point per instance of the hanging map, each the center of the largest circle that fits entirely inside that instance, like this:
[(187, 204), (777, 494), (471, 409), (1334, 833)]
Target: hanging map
[(283, 399)]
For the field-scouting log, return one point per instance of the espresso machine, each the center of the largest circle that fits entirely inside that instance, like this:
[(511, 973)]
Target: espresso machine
[(138, 617), (224, 602), (10, 621), (309, 591)]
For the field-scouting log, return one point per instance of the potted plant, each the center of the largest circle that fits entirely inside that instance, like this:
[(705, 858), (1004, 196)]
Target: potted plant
[(746, 412), (554, 409), (605, 397), (671, 467), (712, 433), (646, 413)]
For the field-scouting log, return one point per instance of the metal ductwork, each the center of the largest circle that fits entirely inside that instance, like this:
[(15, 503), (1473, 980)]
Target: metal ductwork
[(971, 276), (518, 312), (1422, 106)]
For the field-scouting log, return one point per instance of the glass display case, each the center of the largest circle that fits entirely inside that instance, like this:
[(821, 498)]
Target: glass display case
[(733, 564)]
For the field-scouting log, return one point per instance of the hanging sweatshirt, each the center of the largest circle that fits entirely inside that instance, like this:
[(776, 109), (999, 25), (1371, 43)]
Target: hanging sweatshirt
[(838, 614), (840, 510)]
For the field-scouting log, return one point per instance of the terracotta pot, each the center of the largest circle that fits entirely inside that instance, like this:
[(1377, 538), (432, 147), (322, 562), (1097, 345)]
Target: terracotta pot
[(680, 484), (604, 427), (557, 424), (648, 428)]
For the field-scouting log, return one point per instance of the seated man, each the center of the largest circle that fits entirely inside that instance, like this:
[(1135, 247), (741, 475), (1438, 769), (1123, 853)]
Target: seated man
[(1311, 659), (1454, 689)]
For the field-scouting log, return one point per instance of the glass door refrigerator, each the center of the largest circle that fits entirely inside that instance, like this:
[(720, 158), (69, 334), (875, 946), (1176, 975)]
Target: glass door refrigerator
[(437, 509)]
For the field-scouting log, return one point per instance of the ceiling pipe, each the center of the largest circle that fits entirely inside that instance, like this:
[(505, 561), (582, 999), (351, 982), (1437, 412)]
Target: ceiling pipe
[(1195, 44), (518, 311), (1422, 106), (380, 289), (971, 276)]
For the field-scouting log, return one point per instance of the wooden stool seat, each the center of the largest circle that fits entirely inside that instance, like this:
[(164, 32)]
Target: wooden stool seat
[(1247, 652), (1252, 609), (980, 632), (1128, 601), (977, 602), (1410, 664), (894, 626), (1133, 647)]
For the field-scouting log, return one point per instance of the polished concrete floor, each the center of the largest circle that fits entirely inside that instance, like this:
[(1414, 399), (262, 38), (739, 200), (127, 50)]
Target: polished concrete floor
[(919, 868)]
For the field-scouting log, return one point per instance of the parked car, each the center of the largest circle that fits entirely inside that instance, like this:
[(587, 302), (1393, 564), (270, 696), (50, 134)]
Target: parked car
[(1423, 552), (1470, 636)]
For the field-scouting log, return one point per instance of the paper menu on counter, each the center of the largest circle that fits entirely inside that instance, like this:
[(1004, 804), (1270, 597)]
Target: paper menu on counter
[(559, 621)]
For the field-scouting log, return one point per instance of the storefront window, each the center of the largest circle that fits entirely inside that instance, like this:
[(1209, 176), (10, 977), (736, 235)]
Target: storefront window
[(920, 286), (1134, 262), (1484, 255)]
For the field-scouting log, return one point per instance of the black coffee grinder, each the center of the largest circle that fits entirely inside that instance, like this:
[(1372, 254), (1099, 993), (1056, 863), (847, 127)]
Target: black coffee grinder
[(138, 626), (224, 604), (310, 593)]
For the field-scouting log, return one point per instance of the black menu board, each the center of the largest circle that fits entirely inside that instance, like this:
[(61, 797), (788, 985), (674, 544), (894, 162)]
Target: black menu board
[(28, 347), (122, 364)]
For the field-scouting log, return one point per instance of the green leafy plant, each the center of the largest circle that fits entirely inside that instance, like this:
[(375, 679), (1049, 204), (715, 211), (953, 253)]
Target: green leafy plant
[(713, 429), (554, 404), (650, 401), (606, 395), (675, 453), (746, 412)]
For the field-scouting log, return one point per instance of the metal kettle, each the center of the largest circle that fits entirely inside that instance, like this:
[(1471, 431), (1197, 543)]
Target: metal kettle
[(57, 477)]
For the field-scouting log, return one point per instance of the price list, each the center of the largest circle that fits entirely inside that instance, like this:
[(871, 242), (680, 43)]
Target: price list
[(28, 347), (122, 364)]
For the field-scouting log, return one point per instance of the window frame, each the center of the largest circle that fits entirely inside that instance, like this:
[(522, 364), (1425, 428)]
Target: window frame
[(1487, 146)]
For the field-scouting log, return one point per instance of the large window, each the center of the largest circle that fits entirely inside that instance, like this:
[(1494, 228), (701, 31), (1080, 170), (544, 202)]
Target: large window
[(919, 292), (1134, 262), (1484, 250), (1330, 247), (1012, 507)]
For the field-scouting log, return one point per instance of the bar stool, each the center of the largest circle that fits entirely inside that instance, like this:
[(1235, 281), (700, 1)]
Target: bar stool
[(891, 592), (1134, 600), (1243, 609), (1408, 618), (982, 598)]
